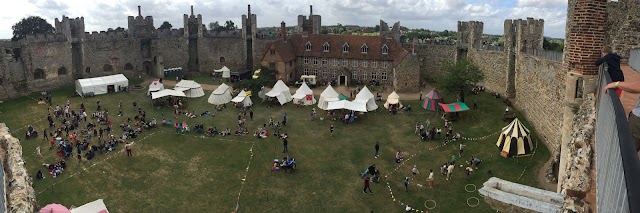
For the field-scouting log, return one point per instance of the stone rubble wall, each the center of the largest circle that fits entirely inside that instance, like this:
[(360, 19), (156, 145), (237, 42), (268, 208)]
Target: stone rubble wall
[(20, 194), (494, 67)]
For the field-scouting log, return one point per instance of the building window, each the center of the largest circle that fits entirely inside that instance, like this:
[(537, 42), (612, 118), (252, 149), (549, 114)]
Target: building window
[(374, 63), (345, 62), (306, 60), (107, 68), (315, 61), (39, 74), (374, 76), (364, 63), (128, 66), (315, 72), (306, 71), (384, 64), (354, 63), (365, 49), (345, 48), (335, 62), (272, 66), (354, 75), (383, 75), (273, 52), (364, 75), (326, 47), (307, 46), (385, 50), (325, 73), (324, 62), (87, 70), (62, 71), (223, 60), (335, 73)]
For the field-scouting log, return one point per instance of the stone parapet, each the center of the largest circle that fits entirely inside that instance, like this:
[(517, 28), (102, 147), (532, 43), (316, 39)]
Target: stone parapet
[(20, 194), (506, 196)]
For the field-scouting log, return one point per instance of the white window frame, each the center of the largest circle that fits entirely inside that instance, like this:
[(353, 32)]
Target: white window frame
[(385, 50), (354, 75), (315, 61), (325, 73), (365, 75), (345, 62), (315, 72), (383, 76), (325, 47), (335, 62), (324, 62), (306, 71), (345, 48), (306, 60), (354, 63), (384, 64), (364, 63), (365, 49), (374, 76), (374, 63), (307, 46), (335, 73)]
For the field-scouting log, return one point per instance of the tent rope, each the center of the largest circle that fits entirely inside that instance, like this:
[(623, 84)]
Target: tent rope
[(244, 179), (530, 160)]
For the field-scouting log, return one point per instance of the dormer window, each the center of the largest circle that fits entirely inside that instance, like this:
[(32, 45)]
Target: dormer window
[(365, 49), (325, 47), (345, 48), (385, 50), (307, 46)]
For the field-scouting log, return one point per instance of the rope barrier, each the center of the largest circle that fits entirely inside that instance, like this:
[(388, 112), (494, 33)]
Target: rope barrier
[(481, 138), (530, 160), (244, 179)]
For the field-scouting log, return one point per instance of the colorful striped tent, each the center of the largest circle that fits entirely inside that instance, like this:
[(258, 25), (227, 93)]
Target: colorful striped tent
[(454, 107), (515, 140), (432, 100)]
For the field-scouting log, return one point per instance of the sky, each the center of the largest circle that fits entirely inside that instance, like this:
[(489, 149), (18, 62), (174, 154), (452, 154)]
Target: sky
[(99, 15)]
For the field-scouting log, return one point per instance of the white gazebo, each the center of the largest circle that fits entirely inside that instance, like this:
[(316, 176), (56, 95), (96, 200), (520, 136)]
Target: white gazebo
[(243, 98), (154, 87), (365, 96), (226, 72), (190, 88), (281, 92), (221, 95), (304, 96), (328, 95)]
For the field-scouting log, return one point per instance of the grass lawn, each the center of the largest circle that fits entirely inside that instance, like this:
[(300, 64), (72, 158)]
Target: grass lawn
[(187, 173)]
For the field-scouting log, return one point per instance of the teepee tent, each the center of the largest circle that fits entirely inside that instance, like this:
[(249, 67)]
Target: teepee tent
[(190, 88), (515, 140), (154, 87), (392, 99), (431, 101), (328, 95), (243, 98), (365, 96), (304, 96), (226, 72), (281, 92), (221, 95)]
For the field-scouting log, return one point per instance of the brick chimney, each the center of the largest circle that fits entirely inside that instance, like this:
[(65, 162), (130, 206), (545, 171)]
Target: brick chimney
[(139, 11), (283, 31)]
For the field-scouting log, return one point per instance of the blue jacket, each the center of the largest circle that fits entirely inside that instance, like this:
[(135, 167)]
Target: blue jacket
[(613, 62)]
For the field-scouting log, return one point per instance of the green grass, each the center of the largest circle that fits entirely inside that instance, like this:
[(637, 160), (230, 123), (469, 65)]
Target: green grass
[(185, 173)]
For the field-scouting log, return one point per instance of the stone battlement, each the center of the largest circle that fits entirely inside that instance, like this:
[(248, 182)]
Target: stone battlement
[(223, 34), (44, 38), (102, 35), (165, 33)]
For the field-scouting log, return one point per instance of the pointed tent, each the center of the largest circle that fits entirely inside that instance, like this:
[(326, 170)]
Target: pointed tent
[(393, 98), (281, 92), (431, 101), (365, 96), (328, 95), (221, 95), (454, 107), (191, 88), (154, 87), (304, 95), (515, 140), (243, 98), (226, 72)]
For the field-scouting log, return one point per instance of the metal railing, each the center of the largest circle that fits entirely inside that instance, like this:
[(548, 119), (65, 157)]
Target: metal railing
[(617, 165), (547, 54), (3, 199), (634, 59)]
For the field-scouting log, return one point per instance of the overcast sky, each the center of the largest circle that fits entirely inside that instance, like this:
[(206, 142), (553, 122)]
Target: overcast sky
[(429, 14)]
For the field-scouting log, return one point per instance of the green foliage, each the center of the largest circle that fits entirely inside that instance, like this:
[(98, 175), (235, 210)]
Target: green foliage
[(165, 25), (30, 26), (553, 44), (266, 78), (118, 29), (460, 76), (428, 34), (229, 25)]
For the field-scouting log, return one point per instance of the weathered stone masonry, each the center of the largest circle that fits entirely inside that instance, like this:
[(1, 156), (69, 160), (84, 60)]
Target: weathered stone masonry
[(20, 194)]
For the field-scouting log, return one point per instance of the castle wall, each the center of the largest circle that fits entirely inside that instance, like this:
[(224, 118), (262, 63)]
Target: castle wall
[(406, 73), (174, 51), (48, 56), (432, 58), (211, 49), (114, 52), (623, 25), (493, 66)]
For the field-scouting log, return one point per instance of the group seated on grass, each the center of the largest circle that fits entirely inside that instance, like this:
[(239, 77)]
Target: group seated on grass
[(54, 169)]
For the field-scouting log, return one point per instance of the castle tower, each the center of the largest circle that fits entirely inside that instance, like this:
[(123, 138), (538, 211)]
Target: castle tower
[(312, 25), (141, 27), (249, 29), (193, 31), (519, 36), (71, 28), (470, 33)]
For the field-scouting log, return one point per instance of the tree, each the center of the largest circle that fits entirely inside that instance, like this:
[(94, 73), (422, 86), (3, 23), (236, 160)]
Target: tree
[(229, 25), (165, 25), (461, 76), (376, 28), (118, 29), (215, 26), (30, 26)]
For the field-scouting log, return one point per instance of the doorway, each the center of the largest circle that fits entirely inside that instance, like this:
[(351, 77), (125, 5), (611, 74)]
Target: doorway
[(342, 80), (147, 67)]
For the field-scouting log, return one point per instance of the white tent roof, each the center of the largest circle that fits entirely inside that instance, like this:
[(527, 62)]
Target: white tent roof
[(224, 68), (242, 97), (393, 98), (281, 92), (221, 95), (96, 206), (365, 96), (328, 95), (193, 89), (154, 87), (188, 84), (167, 92), (99, 85), (344, 104), (280, 86), (302, 92)]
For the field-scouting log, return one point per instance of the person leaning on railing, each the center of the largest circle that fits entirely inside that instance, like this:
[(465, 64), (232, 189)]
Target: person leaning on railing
[(634, 115), (613, 64)]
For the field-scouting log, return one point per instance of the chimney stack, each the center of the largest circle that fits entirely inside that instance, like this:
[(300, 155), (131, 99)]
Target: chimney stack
[(283, 31), (192, 10), (139, 11), (249, 10), (311, 10)]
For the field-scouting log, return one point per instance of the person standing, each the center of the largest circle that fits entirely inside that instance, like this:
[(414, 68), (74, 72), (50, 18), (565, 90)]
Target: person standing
[(461, 149), (450, 170), (313, 114), (98, 103), (270, 121), (613, 63), (128, 148), (331, 129), (438, 132), (406, 184), (366, 186), (453, 159), (284, 119), (634, 115), (377, 147), (414, 172), (251, 114), (284, 145), (421, 95), (430, 178), (38, 153)]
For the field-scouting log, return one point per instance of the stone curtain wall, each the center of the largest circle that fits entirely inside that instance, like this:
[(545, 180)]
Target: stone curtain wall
[(432, 57), (174, 51), (114, 52), (623, 25), (540, 89), (406, 73), (494, 67), (20, 194)]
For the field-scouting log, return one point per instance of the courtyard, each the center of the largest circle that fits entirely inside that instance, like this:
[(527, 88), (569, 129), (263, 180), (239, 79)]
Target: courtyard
[(190, 172)]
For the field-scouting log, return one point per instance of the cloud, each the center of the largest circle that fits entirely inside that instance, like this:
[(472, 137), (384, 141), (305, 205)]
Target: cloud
[(554, 18), (542, 3)]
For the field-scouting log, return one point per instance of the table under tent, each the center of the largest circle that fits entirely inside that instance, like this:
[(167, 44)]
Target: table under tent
[(221, 96), (304, 96), (243, 99), (365, 96), (280, 92), (155, 86), (515, 140), (169, 97), (101, 85), (190, 88)]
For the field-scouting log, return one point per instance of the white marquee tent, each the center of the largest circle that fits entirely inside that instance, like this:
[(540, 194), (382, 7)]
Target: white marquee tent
[(328, 95), (154, 87), (226, 72), (167, 92), (349, 105), (365, 96), (393, 98), (221, 95), (243, 98), (281, 92), (301, 95), (100, 85), (96, 206), (190, 88)]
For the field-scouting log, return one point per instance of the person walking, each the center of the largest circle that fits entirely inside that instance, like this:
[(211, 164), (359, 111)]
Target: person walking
[(285, 148), (366, 185), (128, 148), (284, 119), (414, 172), (251, 114), (421, 95), (613, 63), (461, 149), (377, 147), (38, 153), (406, 184), (331, 129), (430, 178), (450, 170)]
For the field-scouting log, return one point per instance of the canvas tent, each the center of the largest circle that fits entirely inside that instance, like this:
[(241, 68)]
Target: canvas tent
[(154, 87), (190, 88), (221, 95), (304, 96), (243, 98), (167, 92), (226, 72), (101, 85), (328, 95), (349, 105), (432, 100), (96, 206), (454, 107), (281, 92), (392, 99), (515, 140), (365, 96)]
